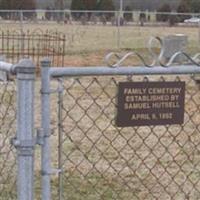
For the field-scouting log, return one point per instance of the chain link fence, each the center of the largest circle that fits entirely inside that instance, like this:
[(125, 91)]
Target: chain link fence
[(100, 161), (7, 131)]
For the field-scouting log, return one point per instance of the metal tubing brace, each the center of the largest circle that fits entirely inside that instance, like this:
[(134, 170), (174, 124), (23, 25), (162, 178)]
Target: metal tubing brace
[(24, 147), (137, 70), (25, 151), (22, 143), (28, 67), (7, 67), (52, 91), (51, 171)]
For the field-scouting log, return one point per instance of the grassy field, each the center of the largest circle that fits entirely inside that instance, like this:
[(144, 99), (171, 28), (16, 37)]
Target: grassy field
[(87, 45), (100, 161)]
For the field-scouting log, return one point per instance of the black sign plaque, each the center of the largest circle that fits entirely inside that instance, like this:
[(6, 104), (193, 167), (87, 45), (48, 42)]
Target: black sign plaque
[(150, 103)]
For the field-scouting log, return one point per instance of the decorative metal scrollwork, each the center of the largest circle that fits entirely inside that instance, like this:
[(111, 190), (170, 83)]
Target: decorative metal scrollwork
[(157, 58)]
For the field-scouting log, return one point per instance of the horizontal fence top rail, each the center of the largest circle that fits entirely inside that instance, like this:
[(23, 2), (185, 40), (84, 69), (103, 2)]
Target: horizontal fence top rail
[(136, 70)]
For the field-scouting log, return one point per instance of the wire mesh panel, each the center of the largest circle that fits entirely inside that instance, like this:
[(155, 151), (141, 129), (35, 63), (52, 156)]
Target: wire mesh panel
[(103, 162), (7, 131)]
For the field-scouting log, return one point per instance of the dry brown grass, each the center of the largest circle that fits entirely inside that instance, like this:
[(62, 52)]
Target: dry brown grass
[(160, 162), (87, 45), (129, 163)]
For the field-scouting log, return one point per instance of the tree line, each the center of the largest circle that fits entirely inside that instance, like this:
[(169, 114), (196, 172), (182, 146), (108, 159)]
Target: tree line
[(92, 5), (185, 6), (75, 5), (17, 5), (189, 6)]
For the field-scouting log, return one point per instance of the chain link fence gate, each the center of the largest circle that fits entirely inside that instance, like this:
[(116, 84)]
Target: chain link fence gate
[(98, 160)]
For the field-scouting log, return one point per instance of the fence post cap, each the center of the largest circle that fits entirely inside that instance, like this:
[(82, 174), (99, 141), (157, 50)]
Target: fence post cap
[(46, 62), (25, 66)]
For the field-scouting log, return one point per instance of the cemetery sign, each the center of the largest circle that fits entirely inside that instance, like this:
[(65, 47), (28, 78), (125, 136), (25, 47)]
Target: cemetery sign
[(150, 103)]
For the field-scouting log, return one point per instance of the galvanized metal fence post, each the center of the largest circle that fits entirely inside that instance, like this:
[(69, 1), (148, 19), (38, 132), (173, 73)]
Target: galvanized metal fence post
[(45, 109), (25, 141)]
